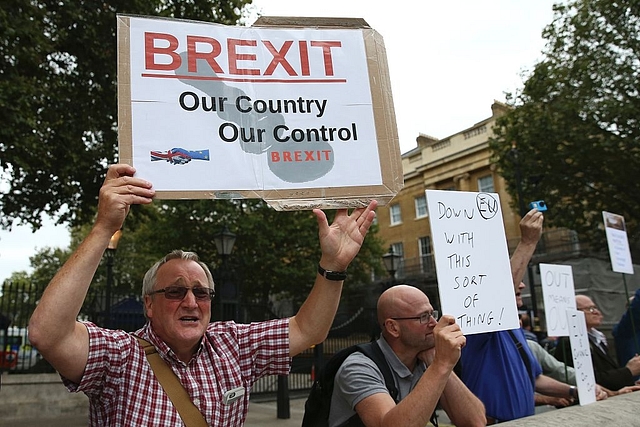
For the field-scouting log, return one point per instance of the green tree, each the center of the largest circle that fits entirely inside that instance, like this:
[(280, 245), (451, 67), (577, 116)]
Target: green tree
[(45, 263), (58, 110), (58, 99), (574, 133), (19, 293), (17, 300), (275, 253)]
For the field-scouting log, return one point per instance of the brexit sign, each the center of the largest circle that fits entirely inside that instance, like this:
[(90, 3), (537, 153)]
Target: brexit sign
[(287, 114), (207, 50)]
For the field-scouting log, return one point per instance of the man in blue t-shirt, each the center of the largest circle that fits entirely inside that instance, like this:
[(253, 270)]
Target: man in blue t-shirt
[(498, 367)]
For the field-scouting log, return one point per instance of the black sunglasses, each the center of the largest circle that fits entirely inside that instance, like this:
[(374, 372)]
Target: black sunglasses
[(179, 292)]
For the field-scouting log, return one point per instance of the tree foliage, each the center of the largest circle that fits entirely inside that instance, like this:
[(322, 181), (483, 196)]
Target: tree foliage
[(275, 253), (574, 133), (58, 105)]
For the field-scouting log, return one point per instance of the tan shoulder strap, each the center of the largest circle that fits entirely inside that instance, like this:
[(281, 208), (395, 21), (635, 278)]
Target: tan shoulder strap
[(189, 413)]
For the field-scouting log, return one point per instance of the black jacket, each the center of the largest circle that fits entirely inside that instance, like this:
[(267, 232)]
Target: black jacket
[(605, 368)]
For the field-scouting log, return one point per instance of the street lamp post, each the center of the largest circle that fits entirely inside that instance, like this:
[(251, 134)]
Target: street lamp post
[(391, 262), (110, 254), (224, 241)]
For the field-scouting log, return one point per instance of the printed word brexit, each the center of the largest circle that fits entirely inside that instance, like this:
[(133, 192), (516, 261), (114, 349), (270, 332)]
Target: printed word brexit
[(162, 53)]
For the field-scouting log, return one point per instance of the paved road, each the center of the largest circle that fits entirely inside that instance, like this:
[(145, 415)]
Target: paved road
[(261, 414)]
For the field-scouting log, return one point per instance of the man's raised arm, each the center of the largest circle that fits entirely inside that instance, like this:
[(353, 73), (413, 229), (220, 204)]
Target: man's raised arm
[(530, 232), (340, 243), (53, 328)]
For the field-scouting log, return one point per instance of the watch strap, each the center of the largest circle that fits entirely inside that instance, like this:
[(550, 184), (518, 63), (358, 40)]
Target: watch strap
[(337, 276)]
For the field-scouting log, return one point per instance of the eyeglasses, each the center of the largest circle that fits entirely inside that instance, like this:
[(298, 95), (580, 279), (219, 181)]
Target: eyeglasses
[(423, 318), (179, 292), (591, 309)]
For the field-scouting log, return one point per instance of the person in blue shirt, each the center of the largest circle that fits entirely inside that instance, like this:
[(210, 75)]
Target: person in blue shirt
[(626, 333), (498, 367)]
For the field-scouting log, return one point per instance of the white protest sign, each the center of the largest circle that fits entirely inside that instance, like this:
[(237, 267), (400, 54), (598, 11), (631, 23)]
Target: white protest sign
[(559, 295), (300, 114), (581, 353), (618, 243), (472, 260)]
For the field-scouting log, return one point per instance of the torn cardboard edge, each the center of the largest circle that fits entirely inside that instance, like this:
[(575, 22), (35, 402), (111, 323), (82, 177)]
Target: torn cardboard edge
[(301, 198)]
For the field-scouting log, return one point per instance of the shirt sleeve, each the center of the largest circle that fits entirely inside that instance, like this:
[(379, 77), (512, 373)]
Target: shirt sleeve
[(108, 354), (359, 378), (266, 347)]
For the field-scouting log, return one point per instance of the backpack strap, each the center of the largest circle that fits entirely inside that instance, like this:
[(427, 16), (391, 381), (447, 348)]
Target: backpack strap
[(190, 415), (523, 354), (373, 351)]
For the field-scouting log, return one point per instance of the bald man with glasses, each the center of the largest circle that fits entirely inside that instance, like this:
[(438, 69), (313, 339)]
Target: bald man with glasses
[(606, 369), (421, 351), (216, 363)]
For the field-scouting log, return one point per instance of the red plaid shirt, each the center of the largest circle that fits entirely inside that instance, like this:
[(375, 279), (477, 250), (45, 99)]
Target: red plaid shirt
[(123, 390)]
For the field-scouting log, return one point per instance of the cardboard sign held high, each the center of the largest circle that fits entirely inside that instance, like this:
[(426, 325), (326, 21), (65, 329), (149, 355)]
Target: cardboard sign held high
[(297, 111)]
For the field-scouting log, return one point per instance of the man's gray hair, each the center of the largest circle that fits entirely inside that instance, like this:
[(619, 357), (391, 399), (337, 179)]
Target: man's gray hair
[(151, 276)]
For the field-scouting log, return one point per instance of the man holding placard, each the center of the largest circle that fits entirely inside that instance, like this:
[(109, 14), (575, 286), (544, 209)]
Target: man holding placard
[(606, 369), (498, 367), (216, 363), (421, 352)]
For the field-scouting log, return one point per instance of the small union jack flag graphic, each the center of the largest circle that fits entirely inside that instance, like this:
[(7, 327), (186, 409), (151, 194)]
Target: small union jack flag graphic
[(179, 156)]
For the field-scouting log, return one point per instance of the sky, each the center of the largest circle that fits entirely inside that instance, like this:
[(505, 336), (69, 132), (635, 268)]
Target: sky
[(448, 62)]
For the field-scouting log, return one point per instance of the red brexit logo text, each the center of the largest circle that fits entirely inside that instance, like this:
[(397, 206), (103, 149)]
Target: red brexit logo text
[(243, 55)]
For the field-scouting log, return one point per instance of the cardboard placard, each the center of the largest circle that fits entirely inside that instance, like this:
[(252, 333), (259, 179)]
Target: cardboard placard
[(581, 354), (618, 242), (296, 111), (472, 260), (559, 295)]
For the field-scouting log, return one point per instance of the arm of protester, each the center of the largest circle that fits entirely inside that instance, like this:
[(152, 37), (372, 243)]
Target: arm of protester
[(415, 410), (550, 387), (623, 390), (462, 407), (633, 365), (340, 243), (530, 232), (53, 328), (615, 379), (558, 402), (551, 366)]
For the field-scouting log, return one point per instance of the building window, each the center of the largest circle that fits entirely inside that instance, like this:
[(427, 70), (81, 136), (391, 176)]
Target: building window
[(426, 256), (395, 214), (421, 206), (485, 184), (398, 249)]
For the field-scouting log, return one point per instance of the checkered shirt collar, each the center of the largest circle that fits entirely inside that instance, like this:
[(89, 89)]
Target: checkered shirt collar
[(163, 349)]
